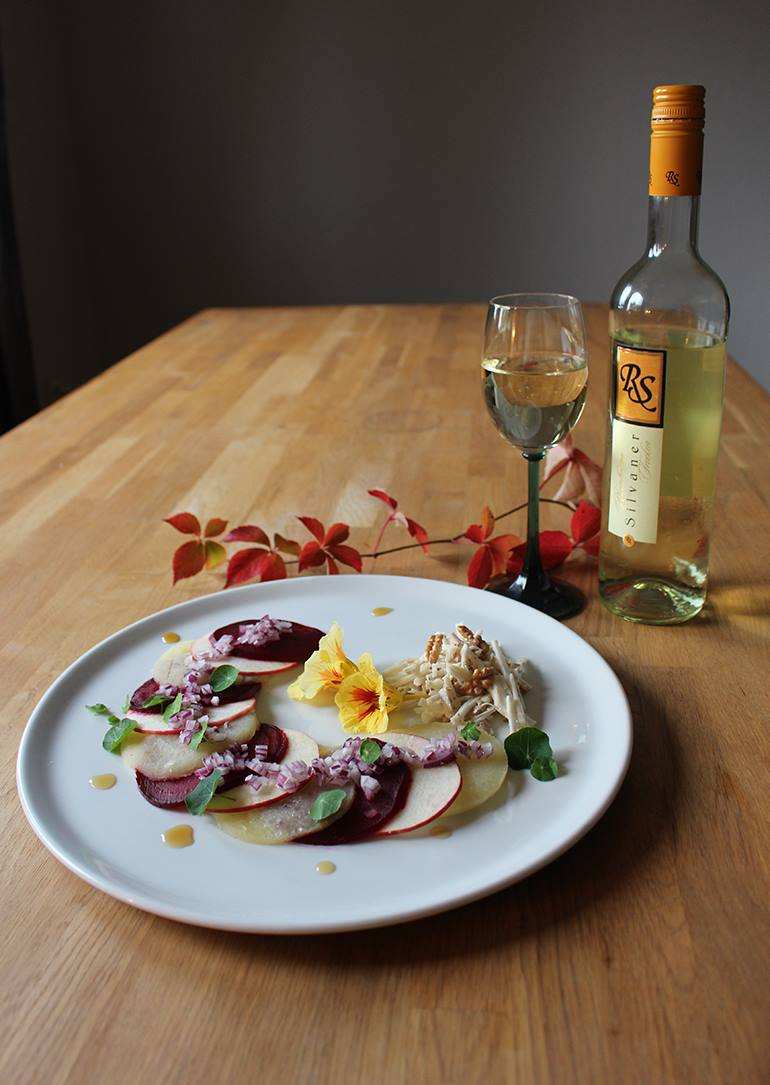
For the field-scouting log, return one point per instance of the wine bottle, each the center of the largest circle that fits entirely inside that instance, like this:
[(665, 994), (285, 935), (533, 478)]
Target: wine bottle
[(668, 326)]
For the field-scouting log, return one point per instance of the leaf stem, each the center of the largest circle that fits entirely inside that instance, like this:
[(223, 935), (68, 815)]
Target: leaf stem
[(438, 542)]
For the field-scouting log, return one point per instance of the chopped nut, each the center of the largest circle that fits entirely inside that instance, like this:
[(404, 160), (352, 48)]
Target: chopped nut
[(434, 646), (473, 639)]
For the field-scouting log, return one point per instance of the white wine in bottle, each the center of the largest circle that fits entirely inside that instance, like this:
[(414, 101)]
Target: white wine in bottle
[(668, 325)]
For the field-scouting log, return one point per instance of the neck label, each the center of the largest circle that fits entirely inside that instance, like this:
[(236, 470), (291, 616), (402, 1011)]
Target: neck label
[(676, 162), (638, 408)]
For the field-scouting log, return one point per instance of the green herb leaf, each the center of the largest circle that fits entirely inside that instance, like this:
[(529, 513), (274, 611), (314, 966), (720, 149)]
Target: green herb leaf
[(223, 677), (202, 794), (544, 768), (103, 710), (198, 737), (327, 803), (525, 746), (470, 732), (157, 698), (126, 704), (173, 708), (117, 733), (369, 751)]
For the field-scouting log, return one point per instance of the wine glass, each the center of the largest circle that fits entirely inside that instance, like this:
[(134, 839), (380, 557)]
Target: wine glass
[(535, 373)]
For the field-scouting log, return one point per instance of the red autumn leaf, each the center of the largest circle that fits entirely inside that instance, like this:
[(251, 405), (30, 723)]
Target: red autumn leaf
[(215, 554), (337, 533), (479, 533), (501, 548), (272, 567), (381, 495), (248, 533), (331, 566), (555, 548), (310, 555), (591, 546), (188, 560), (586, 521), (417, 531), (184, 522), (348, 555), (288, 546), (315, 527), (215, 526), (254, 563), (480, 568)]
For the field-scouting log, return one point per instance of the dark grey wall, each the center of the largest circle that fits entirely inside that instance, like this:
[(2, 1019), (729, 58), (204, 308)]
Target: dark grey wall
[(173, 155)]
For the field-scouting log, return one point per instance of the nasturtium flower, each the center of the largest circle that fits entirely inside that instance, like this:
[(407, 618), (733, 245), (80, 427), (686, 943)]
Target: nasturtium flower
[(364, 699), (326, 668)]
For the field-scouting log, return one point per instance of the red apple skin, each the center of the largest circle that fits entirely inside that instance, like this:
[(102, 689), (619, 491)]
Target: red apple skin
[(177, 730), (385, 831)]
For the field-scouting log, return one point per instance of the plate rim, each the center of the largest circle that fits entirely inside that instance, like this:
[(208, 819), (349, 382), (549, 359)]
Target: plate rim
[(402, 915)]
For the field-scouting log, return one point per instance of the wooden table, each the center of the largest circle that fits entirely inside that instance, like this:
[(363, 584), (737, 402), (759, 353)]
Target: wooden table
[(640, 956)]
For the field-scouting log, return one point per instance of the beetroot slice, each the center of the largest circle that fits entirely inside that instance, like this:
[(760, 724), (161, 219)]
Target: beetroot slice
[(143, 693), (366, 815), (295, 646), (240, 691), (171, 792)]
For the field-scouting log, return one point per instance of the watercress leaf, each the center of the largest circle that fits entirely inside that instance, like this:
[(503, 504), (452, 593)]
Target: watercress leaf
[(202, 794), (198, 737), (369, 751), (524, 746), (327, 803), (172, 709), (470, 732), (223, 677), (100, 710), (544, 769), (117, 733), (157, 698)]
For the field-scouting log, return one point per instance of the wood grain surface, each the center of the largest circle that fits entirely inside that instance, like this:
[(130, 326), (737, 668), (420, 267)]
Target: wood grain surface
[(640, 956)]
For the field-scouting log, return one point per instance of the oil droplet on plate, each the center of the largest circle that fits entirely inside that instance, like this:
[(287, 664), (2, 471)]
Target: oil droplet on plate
[(170, 638), (180, 836), (380, 612), (325, 867), (440, 830), (103, 782)]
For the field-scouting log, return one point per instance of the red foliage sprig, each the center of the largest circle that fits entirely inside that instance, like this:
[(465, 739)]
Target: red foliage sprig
[(494, 554)]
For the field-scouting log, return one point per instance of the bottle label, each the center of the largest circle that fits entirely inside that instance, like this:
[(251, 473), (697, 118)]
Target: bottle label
[(638, 408), (676, 162)]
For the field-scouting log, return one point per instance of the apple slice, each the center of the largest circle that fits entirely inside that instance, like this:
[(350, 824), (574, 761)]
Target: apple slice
[(164, 756), (152, 723), (281, 822), (481, 778), (235, 800), (432, 790), (170, 669), (247, 668)]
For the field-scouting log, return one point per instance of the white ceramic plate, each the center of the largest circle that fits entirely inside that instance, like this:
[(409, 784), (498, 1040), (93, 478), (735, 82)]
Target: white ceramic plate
[(112, 839)]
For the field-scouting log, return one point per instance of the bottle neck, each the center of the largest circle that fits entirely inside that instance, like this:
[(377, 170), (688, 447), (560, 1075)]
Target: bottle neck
[(672, 224)]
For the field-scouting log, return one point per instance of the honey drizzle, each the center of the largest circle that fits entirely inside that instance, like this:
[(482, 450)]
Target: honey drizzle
[(179, 836), (103, 782), (325, 867), (380, 612), (170, 638)]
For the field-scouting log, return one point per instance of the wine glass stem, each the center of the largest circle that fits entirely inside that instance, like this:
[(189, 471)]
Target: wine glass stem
[(532, 573)]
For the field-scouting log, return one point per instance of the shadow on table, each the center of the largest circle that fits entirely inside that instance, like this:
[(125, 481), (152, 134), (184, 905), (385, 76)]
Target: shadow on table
[(604, 864)]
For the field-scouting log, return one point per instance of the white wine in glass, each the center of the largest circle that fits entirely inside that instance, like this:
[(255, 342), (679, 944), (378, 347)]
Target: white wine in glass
[(535, 374)]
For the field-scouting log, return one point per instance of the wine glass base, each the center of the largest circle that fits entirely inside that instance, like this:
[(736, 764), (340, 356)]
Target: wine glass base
[(556, 598)]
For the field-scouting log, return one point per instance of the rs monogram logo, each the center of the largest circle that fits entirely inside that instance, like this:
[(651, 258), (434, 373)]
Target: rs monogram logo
[(638, 387), (672, 177)]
